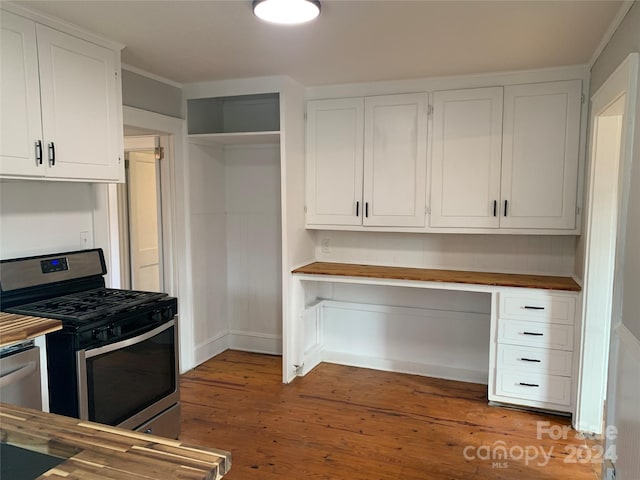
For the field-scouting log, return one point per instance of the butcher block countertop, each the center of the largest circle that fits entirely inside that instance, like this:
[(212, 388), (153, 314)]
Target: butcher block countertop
[(16, 328), (95, 451), (445, 276)]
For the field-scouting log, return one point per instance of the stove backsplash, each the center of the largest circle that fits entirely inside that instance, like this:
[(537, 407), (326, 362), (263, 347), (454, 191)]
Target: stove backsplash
[(38, 217)]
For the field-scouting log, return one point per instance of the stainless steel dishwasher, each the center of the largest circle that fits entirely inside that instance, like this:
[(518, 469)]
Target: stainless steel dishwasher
[(20, 375)]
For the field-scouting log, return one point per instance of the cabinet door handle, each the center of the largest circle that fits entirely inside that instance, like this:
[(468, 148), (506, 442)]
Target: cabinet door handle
[(529, 384), (535, 334), (530, 307), (495, 208), (525, 359), (505, 208), (39, 152), (52, 154), (366, 209), (357, 209)]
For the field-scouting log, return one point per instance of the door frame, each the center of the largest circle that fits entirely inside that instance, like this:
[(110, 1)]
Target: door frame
[(600, 303), (176, 238)]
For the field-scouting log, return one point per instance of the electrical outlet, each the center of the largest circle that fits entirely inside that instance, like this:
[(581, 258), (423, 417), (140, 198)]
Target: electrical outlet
[(84, 240), (325, 245)]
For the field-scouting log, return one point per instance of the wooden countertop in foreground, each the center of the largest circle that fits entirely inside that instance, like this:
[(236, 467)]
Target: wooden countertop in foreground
[(445, 276), (96, 451), (16, 328)]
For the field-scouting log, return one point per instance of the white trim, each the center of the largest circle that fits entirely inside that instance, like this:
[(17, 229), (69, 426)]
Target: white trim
[(401, 366), (209, 349), (255, 342), (61, 25), (41, 343), (615, 23), (597, 304), (152, 76), (176, 218)]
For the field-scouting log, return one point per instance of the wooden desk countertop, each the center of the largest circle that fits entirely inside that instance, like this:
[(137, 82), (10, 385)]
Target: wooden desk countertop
[(108, 453), (16, 328), (445, 276)]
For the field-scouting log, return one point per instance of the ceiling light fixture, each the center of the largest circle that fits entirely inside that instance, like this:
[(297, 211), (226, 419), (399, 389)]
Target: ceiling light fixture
[(287, 12)]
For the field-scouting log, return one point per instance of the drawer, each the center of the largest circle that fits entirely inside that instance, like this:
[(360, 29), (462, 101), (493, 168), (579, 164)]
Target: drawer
[(534, 360), (532, 386), (539, 307), (535, 334)]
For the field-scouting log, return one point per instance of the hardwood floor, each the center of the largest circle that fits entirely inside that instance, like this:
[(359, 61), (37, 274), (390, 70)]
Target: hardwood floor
[(351, 423)]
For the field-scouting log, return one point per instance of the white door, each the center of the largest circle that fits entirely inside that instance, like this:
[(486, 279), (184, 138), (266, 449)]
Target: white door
[(144, 213), (395, 160), (334, 161), (540, 155), (21, 124), (466, 157), (79, 106)]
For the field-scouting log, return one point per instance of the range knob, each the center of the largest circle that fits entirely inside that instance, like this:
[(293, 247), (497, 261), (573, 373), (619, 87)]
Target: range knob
[(156, 316), (167, 313), (101, 334)]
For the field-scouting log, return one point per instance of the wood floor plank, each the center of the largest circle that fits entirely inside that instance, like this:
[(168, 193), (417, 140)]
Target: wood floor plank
[(351, 423)]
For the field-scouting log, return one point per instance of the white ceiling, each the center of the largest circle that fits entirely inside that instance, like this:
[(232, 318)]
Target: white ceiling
[(352, 41)]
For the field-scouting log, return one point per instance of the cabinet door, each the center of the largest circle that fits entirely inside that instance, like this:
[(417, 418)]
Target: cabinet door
[(20, 98), (540, 155), (80, 103), (466, 156), (334, 161), (395, 160)]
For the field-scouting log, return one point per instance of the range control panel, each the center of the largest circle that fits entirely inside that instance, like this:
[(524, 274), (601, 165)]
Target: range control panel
[(54, 265)]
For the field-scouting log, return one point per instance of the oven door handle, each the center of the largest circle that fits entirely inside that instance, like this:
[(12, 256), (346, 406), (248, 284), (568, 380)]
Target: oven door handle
[(81, 362), (129, 341)]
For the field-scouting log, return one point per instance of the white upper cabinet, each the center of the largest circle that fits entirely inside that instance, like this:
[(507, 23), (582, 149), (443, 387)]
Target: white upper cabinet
[(21, 126), (335, 130), (366, 161), (540, 155), (395, 160), (513, 166), (61, 105), (466, 156)]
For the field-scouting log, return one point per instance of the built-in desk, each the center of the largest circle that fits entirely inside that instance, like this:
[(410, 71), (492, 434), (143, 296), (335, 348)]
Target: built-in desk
[(528, 329), (440, 276)]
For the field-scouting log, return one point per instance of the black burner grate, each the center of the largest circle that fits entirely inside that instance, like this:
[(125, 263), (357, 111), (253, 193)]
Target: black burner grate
[(86, 305)]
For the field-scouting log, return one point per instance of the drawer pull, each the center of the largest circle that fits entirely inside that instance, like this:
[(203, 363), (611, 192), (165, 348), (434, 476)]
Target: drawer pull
[(524, 359), (529, 384), (529, 307), (535, 334)]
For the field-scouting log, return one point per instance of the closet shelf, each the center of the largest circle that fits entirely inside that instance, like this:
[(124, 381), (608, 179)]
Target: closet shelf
[(237, 138)]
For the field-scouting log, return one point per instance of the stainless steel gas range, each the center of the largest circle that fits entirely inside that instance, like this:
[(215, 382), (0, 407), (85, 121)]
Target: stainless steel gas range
[(115, 361)]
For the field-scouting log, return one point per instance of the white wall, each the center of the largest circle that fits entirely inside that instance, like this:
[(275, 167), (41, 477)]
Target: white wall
[(208, 250), (533, 254), (38, 217), (253, 229)]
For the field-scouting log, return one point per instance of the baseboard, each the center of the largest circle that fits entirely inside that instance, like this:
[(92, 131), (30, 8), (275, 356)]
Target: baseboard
[(211, 348), (402, 366), (255, 342)]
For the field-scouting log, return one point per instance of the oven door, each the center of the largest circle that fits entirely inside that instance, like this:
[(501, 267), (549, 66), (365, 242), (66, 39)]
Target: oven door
[(128, 382)]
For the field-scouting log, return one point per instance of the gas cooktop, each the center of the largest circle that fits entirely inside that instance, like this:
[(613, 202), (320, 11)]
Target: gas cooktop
[(86, 305)]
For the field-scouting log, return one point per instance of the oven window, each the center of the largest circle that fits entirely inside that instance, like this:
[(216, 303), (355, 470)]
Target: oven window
[(128, 380)]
